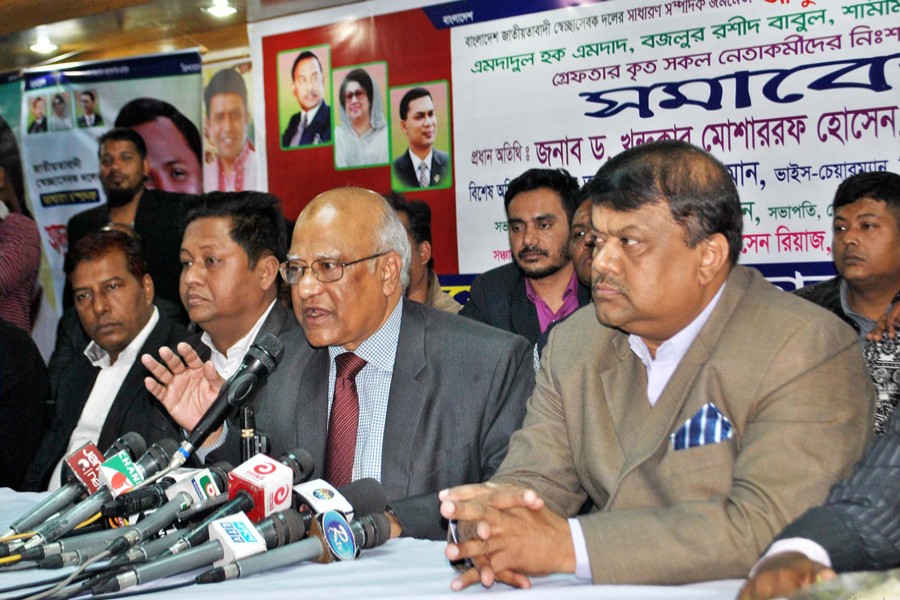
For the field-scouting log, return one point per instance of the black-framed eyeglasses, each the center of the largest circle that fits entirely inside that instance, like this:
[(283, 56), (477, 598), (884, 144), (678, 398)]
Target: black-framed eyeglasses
[(326, 270)]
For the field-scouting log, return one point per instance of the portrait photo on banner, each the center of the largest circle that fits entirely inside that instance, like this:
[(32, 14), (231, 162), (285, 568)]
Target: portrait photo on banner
[(421, 144), (360, 118), (37, 114), (304, 97)]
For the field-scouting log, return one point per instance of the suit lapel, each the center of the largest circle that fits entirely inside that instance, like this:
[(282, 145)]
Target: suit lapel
[(405, 403), (523, 314), (311, 412)]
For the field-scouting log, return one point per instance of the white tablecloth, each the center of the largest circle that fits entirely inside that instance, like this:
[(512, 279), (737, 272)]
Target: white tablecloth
[(401, 568)]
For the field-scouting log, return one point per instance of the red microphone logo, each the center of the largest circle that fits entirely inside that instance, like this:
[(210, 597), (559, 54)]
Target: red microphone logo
[(281, 494), (264, 468)]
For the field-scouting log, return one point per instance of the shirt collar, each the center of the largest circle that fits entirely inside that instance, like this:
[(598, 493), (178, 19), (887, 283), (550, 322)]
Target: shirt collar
[(310, 115), (676, 346), (380, 348), (416, 161), (240, 347), (99, 357), (571, 288)]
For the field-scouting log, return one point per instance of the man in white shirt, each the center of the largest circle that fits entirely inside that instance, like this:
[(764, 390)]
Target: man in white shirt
[(422, 165), (232, 246), (696, 406), (101, 394)]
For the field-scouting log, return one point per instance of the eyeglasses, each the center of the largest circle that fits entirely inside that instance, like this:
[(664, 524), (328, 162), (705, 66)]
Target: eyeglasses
[(326, 270), (358, 94)]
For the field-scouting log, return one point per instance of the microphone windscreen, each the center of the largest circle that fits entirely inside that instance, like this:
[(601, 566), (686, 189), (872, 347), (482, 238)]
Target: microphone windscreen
[(301, 463), (268, 350), (365, 495), (131, 441), (289, 527), (377, 528), (160, 453), (220, 474)]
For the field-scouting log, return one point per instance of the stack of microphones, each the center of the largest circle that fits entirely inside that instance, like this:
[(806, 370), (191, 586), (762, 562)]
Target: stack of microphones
[(133, 515)]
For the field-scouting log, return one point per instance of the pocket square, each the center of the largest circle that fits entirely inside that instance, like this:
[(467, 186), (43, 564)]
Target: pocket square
[(707, 426)]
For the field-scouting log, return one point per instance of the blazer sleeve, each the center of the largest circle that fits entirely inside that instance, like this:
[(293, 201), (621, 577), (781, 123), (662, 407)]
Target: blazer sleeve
[(476, 306), (504, 408), (859, 524)]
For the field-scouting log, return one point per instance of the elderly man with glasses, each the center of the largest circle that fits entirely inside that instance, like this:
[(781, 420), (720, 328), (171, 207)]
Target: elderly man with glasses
[(373, 385)]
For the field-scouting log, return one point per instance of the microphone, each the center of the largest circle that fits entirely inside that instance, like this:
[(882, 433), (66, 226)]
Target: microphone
[(260, 359), (245, 496), (332, 538), (84, 458), (232, 537), (152, 461), (201, 484), (172, 503)]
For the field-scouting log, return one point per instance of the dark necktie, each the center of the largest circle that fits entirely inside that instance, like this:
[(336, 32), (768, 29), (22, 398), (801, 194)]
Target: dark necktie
[(300, 129), (423, 175), (344, 421)]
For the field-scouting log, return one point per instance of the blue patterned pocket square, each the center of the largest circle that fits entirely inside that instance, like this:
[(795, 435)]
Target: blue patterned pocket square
[(707, 426)]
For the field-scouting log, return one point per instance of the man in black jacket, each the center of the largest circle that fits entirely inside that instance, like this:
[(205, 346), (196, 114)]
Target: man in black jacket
[(100, 393)]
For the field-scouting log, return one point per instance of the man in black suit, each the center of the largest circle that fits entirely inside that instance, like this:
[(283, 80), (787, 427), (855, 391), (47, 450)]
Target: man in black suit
[(540, 286), (90, 116), (23, 393), (312, 125), (425, 417), (422, 165), (857, 529), (38, 115), (101, 393)]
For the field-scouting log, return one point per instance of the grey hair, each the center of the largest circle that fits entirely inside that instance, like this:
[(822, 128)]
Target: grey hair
[(390, 236)]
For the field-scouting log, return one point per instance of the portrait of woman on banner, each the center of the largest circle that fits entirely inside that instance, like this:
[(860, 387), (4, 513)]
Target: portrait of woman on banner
[(361, 139)]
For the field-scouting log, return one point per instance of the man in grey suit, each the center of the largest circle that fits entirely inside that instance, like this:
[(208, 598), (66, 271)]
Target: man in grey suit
[(689, 404), (426, 414), (857, 529), (422, 165)]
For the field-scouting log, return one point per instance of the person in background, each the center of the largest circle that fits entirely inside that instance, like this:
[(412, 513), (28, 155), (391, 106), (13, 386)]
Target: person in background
[(20, 240), (23, 394), (423, 285), (174, 148), (312, 125), (540, 286), (90, 117), (233, 168), (38, 115), (60, 118), (362, 137), (866, 248), (422, 165)]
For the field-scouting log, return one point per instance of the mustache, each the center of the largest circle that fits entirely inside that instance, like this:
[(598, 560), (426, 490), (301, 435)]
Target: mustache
[(532, 250)]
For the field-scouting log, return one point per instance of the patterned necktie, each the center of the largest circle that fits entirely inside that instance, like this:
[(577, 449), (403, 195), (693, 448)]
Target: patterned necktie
[(423, 175), (295, 141), (344, 420)]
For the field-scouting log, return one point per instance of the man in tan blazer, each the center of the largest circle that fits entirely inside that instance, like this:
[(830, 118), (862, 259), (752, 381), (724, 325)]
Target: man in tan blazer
[(699, 410)]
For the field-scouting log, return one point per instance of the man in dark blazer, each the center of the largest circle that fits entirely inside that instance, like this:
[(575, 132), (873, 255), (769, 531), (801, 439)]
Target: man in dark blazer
[(429, 415), (101, 393), (540, 286), (23, 392), (857, 529), (312, 125), (38, 115), (422, 165), (90, 116)]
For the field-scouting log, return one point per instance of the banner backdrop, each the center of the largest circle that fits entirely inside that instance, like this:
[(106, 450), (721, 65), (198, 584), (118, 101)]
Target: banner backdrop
[(65, 111), (793, 96)]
